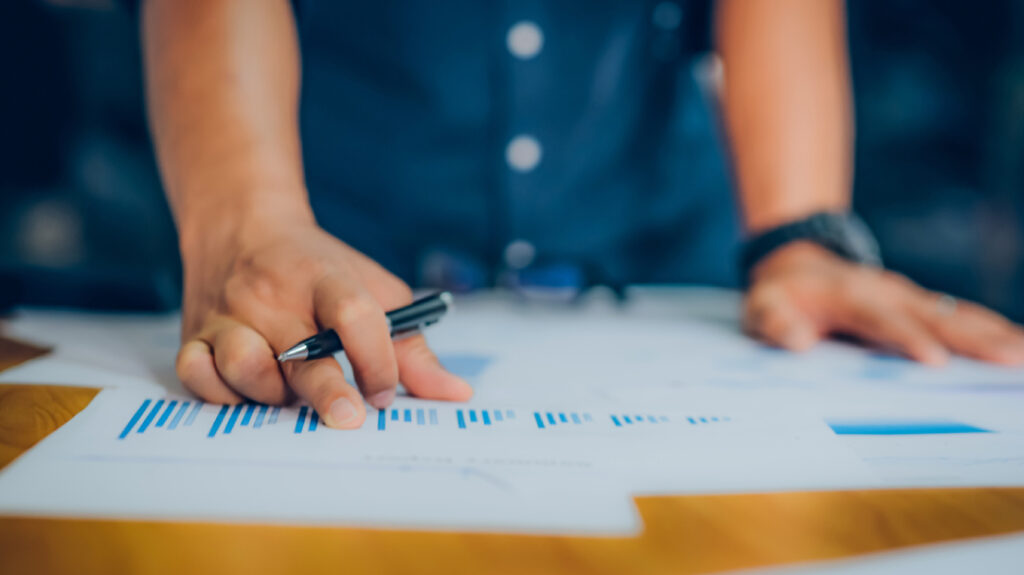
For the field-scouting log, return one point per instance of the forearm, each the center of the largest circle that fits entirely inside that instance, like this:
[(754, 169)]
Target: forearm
[(222, 80), (787, 106)]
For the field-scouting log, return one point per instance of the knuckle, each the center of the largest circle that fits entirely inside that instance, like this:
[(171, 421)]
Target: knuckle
[(240, 359), (356, 310)]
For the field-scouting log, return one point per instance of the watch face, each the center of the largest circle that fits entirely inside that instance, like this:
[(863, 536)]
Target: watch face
[(849, 236)]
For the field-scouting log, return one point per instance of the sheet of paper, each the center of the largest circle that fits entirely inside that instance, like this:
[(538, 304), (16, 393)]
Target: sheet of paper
[(418, 465)]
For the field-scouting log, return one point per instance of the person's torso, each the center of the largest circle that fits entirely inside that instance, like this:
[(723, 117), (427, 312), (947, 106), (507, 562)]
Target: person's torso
[(572, 131)]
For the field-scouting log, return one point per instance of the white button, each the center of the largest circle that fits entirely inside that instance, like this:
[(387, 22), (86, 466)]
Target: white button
[(525, 40), (523, 153), (519, 254), (667, 15)]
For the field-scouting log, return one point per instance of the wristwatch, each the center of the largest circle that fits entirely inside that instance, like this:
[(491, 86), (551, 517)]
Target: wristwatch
[(844, 234)]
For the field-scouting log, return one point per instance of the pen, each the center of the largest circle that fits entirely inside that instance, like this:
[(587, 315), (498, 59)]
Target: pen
[(402, 322)]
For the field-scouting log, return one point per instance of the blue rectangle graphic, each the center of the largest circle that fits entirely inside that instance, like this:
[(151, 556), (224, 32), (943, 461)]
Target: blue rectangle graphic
[(301, 421), (486, 417), (167, 413), (135, 419), (883, 427), (259, 417), (152, 414), (461, 419), (177, 416), (314, 419), (217, 421), (540, 422), (420, 417), (248, 414), (192, 414)]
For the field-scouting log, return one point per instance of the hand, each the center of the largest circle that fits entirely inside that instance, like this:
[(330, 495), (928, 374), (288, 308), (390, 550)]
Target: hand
[(802, 293), (253, 290)]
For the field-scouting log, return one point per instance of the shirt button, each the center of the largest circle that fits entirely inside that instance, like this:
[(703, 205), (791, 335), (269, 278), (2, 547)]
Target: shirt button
[(523, 153), (519, 254), (667, 15), (524, 40)]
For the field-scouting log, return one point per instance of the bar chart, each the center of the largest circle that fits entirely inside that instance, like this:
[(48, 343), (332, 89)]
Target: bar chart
[(162, 415)]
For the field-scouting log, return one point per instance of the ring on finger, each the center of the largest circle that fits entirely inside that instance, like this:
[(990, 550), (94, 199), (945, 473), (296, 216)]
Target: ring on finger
[(946, 305)]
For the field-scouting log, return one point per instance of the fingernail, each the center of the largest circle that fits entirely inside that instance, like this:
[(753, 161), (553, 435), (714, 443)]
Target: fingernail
[(382, 399), (341, 412)]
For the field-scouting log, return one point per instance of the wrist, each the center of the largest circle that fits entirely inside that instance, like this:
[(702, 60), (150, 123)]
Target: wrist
[(238, 219)]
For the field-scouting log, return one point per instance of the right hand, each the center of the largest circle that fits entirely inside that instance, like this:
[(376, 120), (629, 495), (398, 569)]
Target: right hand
[(253, 290)]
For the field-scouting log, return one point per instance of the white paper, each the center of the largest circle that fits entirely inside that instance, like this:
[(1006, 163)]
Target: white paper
[(438, 465)]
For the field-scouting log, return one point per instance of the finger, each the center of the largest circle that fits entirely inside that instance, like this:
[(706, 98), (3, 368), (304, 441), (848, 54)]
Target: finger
[(319, 382), (895, 328), (363, 329), (422, 374), (772, 316), (972, 330), (196, 370), (247, 365)]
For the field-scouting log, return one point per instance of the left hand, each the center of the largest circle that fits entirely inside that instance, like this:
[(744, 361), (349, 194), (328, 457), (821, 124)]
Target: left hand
[(802, 293)]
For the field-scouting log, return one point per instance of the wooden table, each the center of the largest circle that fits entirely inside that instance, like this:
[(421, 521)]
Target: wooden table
[(683, 534)]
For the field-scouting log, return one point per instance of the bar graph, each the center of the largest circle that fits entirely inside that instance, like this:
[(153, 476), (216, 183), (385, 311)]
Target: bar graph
[(170, 415), (467, 418), (162, 415)]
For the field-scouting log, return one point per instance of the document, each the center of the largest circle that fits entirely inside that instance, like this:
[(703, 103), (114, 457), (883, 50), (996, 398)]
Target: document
[(419, 464)]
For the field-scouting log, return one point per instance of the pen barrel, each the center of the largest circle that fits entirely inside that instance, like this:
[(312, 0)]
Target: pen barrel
[(324, 344), (422, 312)]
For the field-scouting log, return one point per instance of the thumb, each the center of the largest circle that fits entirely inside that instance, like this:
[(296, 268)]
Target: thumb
[(773, 315)]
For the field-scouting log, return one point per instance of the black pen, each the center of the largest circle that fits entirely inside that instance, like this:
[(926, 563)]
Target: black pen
[(403, 321)]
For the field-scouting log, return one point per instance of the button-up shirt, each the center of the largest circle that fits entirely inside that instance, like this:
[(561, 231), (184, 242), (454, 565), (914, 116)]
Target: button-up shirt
[(516, 135)]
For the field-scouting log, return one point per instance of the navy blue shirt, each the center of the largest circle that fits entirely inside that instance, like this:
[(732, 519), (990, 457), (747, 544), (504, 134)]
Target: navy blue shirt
[(492, 136)]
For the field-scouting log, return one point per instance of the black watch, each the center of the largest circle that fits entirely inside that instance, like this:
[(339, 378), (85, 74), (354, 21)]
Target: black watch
[(845, 235)]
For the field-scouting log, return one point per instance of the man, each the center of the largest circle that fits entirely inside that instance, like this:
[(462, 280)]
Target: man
[(460, 135)]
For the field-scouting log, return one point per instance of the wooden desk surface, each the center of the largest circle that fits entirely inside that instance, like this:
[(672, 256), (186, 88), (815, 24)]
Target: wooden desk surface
[(683, 534)]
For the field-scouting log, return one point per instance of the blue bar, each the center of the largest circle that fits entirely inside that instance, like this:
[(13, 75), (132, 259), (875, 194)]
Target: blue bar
[(627, 419), (177, 416), (497, 415), (314, 418), (382, 418), (663, 418), (714, 419), (510, 414), (151, 416), (540, 422), (551, 419), (576, 418), (433, 417), (233, 419), (652, 419), (902, 427), (217, 421), (248, 414), (419, 417), (259, 417), (615, 420), (586, 417), (562, 417), (486, 417), (639, 418), (462, 420), (301, 421), (408, 415), (167, 413), (394, 414), (273, 415), (692, 420), (192, 414), (472, 416), (135, 419), (703, 420)]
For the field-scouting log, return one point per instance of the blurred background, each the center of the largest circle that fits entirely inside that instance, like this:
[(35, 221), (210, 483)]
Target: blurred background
[(939, 89)]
